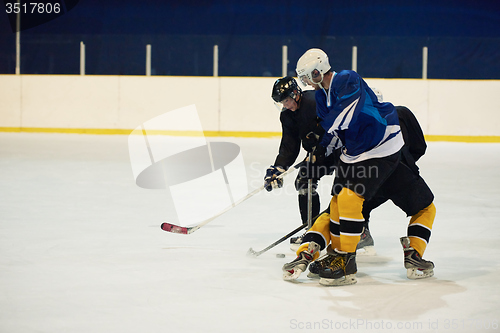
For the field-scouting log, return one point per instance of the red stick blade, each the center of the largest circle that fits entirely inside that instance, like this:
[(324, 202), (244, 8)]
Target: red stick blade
[(174, 228)]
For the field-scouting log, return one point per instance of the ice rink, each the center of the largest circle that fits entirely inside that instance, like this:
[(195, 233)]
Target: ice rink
[(81, 249)]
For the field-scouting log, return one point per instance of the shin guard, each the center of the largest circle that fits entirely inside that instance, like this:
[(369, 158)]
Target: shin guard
[(319, 233), (334, 223), (420, 227), (350, 206)]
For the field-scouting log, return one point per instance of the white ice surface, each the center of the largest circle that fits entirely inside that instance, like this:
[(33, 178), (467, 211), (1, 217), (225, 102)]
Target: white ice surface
[(81, 249)]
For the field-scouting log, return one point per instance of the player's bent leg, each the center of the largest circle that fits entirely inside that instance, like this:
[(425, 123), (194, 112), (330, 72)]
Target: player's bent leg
[(420, 227), (341, 268), (414, 245), (323, 262), (334, 223), (416, 267), (318, 233), (316, 238), (350, 206)]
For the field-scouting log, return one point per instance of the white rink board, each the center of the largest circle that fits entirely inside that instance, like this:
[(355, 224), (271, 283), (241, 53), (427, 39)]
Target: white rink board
[(225, 104)]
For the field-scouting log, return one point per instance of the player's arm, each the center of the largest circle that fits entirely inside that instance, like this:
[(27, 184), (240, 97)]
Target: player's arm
[(290, 143), (288, 151)]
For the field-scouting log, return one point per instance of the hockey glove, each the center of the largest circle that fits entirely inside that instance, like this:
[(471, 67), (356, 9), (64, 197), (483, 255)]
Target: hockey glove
[(271, 179), (316, 168), (319, 155), (311, 141)]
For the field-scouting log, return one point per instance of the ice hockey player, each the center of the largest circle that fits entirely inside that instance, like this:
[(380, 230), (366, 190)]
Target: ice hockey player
[(373, 167), (298, 118), (414, 147)]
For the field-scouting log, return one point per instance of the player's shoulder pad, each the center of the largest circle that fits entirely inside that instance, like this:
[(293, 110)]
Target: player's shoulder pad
[(344, 78)]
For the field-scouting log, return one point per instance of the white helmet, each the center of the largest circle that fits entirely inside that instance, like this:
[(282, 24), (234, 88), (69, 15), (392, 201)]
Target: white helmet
[(313, 64)]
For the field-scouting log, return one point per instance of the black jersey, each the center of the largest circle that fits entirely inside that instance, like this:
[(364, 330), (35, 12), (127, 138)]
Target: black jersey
[(413, 136), (412, 132), (295, 126)]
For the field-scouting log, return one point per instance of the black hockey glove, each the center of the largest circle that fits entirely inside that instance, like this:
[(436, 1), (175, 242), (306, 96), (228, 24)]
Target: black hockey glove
[(314, 169), (311, 141), (319, 155), (271, 179)]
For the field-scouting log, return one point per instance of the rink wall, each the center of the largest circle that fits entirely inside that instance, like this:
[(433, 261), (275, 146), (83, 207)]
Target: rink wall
[(452, 110)]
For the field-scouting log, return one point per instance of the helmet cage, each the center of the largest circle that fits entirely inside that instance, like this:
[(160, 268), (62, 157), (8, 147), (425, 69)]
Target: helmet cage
[(312, 66), (314, 77)]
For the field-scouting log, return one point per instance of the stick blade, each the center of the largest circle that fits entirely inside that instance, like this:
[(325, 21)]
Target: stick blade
[(252, 253), (174, 228)]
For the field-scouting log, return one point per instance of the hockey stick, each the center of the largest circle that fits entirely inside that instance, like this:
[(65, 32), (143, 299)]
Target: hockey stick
[(254, 253), (309, 195), (189, 230)]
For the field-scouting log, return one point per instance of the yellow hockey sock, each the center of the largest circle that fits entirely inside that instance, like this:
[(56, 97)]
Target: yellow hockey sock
[(420, 227), (334, 223), (319, 232), (350, 206)]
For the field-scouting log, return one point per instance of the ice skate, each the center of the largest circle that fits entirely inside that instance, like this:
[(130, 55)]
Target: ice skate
[(295, 242), (416, 267), (366, 244), (341, 271), (322, 262), (316, 266), (292, 270)]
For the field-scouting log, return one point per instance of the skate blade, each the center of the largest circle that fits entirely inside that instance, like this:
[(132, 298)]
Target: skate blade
[(415, 273), (287, 276), (366, 251), (347, 280)]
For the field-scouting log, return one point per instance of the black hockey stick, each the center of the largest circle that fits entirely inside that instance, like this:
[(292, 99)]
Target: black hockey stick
[(189, 230), (254, 253), (309, 194)]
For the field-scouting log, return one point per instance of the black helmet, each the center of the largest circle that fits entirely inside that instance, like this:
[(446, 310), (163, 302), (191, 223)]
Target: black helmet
[(285, 87)]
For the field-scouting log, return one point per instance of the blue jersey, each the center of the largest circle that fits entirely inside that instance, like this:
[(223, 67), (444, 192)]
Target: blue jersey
[(354, 120)]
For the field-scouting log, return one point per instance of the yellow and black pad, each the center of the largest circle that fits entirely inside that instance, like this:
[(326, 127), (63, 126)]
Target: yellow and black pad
[(319, 233), (350, 206), (420, 228), (334, 223)]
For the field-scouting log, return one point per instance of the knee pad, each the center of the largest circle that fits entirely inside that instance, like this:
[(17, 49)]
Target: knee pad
[(350, 205)]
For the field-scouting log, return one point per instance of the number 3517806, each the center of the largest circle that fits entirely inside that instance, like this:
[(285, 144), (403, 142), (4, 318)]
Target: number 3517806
[(32, 8)]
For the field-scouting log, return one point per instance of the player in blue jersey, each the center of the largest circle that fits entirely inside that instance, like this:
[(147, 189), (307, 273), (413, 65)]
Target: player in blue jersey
[(298, 119), (370, 138)]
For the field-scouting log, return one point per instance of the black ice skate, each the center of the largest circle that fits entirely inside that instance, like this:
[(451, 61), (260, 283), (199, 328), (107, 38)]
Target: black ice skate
[(341, 271), (416, 267), (292, 270), (316, 266), (295, 242), (366, 244), (321, 263)]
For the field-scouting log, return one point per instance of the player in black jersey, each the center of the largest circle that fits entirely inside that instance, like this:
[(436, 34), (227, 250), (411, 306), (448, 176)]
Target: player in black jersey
[(298, 119)]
